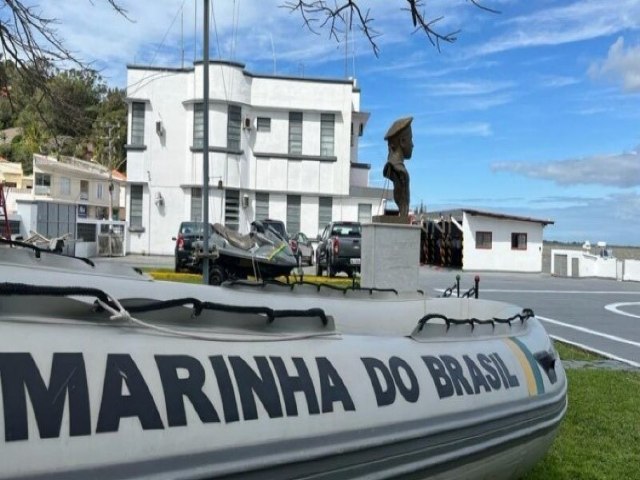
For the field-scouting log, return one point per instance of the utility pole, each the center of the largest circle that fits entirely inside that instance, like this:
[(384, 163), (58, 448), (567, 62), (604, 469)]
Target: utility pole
[(205, 147), (110, 163)]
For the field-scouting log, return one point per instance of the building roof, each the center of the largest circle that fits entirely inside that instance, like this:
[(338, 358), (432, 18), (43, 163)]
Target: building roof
[(484, 213), (241, 66)]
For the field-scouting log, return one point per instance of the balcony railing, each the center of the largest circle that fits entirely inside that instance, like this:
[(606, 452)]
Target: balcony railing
[(42, 190)]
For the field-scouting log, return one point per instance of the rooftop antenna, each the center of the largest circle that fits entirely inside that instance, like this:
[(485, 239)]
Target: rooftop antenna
[(273, 52), (346, 47)]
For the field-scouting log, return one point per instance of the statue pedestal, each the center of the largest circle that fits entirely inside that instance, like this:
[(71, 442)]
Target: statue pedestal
[(394, 219), (390, 255)]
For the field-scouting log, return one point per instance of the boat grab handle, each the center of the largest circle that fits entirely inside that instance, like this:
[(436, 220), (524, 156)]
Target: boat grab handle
[(523, 316)]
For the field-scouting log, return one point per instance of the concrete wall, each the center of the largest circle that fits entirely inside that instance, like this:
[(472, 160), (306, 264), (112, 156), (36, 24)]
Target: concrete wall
[(501, 257), (631, 270), (588, 265)]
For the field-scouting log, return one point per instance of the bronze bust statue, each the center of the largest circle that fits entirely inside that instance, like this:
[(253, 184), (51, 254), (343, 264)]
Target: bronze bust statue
[(400, 141)]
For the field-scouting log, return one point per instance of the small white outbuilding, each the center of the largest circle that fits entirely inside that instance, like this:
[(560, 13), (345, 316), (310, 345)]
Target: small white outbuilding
[(473, 239)]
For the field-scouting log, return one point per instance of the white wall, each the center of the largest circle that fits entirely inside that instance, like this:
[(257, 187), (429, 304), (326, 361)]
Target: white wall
[(588, 265), (631, 270), (501, 257), (168, 166)]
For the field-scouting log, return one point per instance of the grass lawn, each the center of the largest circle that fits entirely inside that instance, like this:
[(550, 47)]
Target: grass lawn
[(599, 438)]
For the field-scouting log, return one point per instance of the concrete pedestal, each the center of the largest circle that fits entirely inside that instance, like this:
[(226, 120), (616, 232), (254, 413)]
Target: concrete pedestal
[(390, 256)]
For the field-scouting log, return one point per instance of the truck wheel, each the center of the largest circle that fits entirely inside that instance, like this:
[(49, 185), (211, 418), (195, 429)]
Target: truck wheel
[(331, 271), (216, 275)]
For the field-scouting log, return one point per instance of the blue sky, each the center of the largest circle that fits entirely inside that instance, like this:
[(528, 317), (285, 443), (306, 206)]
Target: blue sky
[(534, 111)]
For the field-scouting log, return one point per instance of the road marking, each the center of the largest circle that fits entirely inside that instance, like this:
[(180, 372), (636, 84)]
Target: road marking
[(589, 331), (595, 292), (615, 308), (595, 350)]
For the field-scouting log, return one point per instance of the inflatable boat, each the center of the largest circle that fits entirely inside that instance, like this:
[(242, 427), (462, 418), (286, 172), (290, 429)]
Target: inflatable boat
[(106, 373)]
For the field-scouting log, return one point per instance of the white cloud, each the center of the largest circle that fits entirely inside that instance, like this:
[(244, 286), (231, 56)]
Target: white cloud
[(581, 20), (558, 81), (465, 88), (621, 170), (620, 65), (461, 129)]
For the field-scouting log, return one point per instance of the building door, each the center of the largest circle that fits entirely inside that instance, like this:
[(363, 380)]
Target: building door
[(575, 267), (560, 265)]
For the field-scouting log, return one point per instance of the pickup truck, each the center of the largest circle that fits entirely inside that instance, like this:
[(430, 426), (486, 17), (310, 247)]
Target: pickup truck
[(339, 249)]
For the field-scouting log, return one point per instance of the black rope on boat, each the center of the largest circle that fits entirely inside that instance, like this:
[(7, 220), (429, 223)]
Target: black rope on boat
[(198, 305), (523, 316), (39, 250), (318, 286), (24, 289)]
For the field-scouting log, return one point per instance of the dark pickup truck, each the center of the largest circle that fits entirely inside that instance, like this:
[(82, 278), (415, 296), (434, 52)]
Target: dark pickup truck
[(339, 248)]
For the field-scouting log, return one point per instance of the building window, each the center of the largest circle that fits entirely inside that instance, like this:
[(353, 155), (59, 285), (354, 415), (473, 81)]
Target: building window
[(518, 241), (14, 227), (84, 189), (65, 186), (264, 124), (137, 123), (484, 239), (198, 125), (325, 206), (232, 209), (135, 218), (234, 124), (293, 213), (364, 212), (262, 206), (295, 132), (99, 190), (86, 232), (327, 134), (43, 184), (196, 204)]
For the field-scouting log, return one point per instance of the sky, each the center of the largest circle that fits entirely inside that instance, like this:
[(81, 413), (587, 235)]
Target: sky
[(533, 111)]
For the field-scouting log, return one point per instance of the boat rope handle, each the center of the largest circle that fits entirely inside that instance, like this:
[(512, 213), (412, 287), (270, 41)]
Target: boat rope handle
[(264, 282), (523, 316), (118, 312), (199, 306), (7, 288)]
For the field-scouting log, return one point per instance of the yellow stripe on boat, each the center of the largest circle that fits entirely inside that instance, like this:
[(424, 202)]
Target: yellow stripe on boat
[(528, 364)]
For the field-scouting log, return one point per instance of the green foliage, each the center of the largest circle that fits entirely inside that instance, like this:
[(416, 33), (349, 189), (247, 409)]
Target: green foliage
[(64, 114), (599, 438), (111, 123), (569, 352)]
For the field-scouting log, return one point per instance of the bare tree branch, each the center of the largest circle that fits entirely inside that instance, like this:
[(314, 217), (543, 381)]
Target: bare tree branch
[(318, 14), (31, 47)]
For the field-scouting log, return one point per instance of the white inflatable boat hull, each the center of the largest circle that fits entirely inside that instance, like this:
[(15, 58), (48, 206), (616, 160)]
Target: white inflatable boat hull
[(163, 394)]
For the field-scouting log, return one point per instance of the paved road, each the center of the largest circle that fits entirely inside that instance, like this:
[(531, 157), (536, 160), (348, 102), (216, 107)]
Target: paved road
[(598, 314)]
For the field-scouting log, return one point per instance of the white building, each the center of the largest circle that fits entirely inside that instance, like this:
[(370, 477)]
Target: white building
[(480, 240), (66, 196), (280, 147)]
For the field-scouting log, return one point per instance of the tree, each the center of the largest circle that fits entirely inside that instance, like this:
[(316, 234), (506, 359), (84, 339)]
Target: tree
[(33, 51), (338, 14), (109, 133)]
